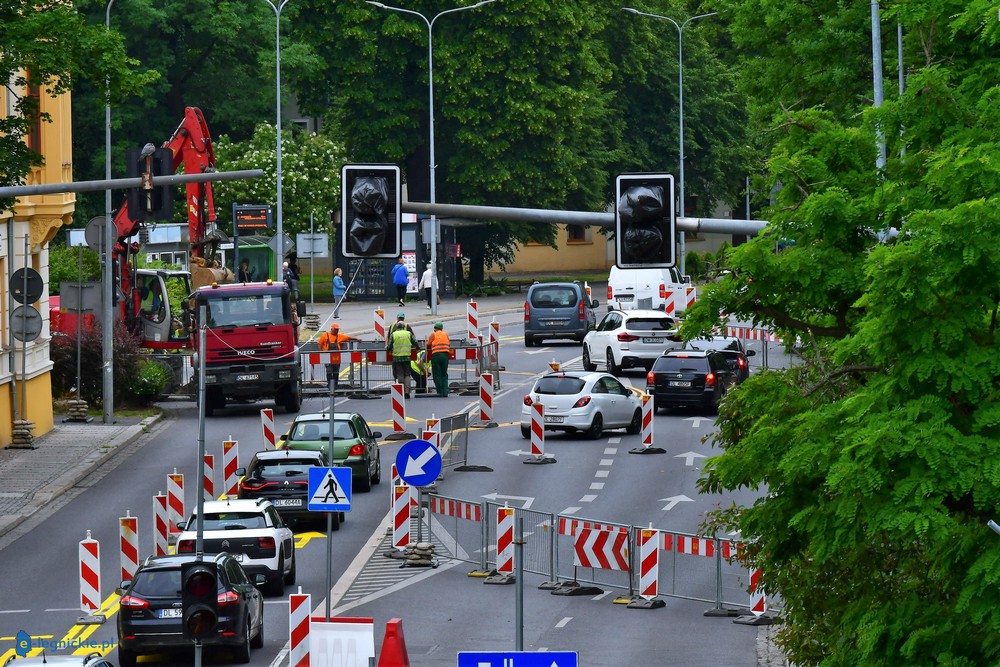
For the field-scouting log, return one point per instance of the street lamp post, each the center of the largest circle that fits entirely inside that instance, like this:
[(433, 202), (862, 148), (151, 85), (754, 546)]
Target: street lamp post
[(430, 86), (279, 234), (680, 104), (107, 312)]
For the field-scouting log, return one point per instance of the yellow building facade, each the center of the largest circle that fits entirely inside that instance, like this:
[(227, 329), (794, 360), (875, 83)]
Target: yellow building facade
[(25, 381)]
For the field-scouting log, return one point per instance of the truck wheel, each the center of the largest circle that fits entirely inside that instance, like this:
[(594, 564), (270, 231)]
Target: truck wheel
[(214, 400), (290, 400)]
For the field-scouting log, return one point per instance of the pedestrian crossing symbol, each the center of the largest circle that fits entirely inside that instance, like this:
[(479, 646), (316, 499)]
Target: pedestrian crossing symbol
[(329, 489)]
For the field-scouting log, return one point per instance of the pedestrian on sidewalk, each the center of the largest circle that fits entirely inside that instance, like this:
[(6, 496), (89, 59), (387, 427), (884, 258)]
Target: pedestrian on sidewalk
[(439, 349), (427, 280), (400, 344), (400, 278), (339, 291), (333, 340)]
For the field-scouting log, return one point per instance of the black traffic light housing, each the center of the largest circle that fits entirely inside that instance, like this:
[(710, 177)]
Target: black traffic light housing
[(200, 599), (370, 212), (150, 201), (645, 227)]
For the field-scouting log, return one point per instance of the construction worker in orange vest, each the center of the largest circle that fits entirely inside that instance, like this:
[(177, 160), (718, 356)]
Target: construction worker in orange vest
[(333, 340), (439, 349)]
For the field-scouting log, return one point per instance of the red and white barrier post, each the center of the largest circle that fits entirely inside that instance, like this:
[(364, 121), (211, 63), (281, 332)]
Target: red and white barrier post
[(401, 516), (647, 543), (299, 618), (537, 438), (646, 430), (267, 426), (128, 538), (398, 481), (472, 317), (230, 462), (379, 324), (486, 400), (160, 521), (208, 481), (90, 575), (758, 605), (175, 501), (398, 408), (505, 540)]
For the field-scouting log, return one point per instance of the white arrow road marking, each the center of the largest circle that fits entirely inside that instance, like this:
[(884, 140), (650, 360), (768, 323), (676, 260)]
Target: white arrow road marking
[(689, 457), (673, 500), (415, 466), (527, 500), (518, 452), (695, 421)]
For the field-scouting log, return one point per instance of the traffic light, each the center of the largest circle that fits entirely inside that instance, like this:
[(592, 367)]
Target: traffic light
[(150, 201), (644, 221), (199, 599), (370, 210)]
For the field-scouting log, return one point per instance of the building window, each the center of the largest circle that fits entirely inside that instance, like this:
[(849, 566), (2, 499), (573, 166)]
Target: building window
[(35, 135), (579, 234)]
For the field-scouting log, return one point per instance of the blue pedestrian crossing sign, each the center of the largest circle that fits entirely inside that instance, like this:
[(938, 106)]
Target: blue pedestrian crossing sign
[(329, 489), (517, 659), (418, 463)]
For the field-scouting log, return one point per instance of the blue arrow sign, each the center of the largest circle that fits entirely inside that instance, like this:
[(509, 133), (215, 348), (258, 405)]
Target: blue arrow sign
[(329, 489), (418, 463), (517, 659)]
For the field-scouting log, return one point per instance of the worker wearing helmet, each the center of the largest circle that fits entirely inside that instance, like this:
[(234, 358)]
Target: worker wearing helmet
[(333, 340), (439, 349), (400, 344)]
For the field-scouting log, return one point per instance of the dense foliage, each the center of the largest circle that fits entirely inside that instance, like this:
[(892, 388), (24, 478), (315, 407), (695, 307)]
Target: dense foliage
[(127, 381)]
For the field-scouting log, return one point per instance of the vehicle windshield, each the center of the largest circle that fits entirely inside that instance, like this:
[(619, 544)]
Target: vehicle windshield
[(283, 468), (247, 310), (559, 385), (553, 297), (649, 324), (313, 431), (681, 364), (230, 521)]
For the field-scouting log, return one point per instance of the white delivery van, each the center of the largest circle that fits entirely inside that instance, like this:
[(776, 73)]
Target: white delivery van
[(650, 289)]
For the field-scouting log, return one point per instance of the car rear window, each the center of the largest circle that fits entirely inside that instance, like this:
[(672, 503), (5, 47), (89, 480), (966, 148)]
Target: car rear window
[(649, 324), (158, 583), (680, 364), (559, 385), (714, 344), (284, 468), (232, 521), (553, 297), (314, 431)]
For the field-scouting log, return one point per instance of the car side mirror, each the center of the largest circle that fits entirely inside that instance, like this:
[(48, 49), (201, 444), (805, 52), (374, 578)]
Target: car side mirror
[(240, 472), (686, 280), (376, 434), (595, 303), (751, 353), (181, 525), (123, 586)]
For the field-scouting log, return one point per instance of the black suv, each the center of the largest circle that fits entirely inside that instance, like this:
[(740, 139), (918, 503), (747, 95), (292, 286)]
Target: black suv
[(150, 614), (282, 476), (689, 377), (731, 348)]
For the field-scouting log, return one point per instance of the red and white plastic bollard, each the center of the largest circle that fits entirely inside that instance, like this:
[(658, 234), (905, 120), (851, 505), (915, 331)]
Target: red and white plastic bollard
[(486, 398), (175, 501), (128, 537), (401, 516), (690, 295), (649, 562), (160, 521), (90, 575), (505, 540), (267, 426), (208, 481), (398, 408), (380, 324), (537, 429), (299, 615), (472, 316), (398, 481), (230, 462), (758, 605), (494, 332), (647, 421)]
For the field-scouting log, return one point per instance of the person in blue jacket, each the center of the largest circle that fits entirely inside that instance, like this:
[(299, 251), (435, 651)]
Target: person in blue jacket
[(339, 290), (400, 278)]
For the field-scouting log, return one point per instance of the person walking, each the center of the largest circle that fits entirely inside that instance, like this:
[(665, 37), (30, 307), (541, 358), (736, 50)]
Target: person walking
[(439, 349), (339, 291), (400, 278), (333, 340), (427, 281), (400, 344)]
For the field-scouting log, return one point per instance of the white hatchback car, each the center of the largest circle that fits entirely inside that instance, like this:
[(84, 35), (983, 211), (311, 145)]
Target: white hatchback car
[(252, 532), (630, 338), (583, 402)]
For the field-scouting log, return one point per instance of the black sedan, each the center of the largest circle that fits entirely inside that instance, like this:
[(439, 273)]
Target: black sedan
[(282, 476)]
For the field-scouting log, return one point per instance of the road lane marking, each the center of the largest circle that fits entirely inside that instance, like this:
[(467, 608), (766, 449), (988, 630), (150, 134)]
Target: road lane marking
[(589, 498), (610, 451), (571, 510), (16, 611), (606, 462), (602, 473), (562, 623), (596, 486)]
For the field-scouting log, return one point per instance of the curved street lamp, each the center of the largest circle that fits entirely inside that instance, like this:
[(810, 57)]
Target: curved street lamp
[(279, 235), (680, 103), (430, 85)]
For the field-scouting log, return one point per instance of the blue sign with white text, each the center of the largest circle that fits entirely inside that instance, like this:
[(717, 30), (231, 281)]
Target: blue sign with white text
[(517, 659), (329, 489), (418, 463)]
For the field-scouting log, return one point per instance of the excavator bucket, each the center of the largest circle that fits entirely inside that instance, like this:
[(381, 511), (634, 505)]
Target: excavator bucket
[(205, 273)]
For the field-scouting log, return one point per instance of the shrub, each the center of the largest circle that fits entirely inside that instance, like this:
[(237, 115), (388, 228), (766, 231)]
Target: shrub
[(150, 380), (127, 354)]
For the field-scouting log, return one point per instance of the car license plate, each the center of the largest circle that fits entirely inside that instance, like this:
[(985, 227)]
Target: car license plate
[(678, 383), (250, 376), (171, 613), (651, 339), (551, 419), (287, 502), (553, 323), (624, 297)]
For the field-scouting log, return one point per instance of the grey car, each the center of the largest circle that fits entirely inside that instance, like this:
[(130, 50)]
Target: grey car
[(557, 310)]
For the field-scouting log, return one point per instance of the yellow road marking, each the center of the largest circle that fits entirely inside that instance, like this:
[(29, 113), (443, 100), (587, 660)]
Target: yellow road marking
[(302, 539)]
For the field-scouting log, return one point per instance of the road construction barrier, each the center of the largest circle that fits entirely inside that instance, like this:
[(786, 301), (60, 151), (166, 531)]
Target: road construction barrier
[(267, 427), (175, 501), (646, 434), (380, 324), (648, 544), (128, 539), (398, 408), (299, 618), (396, 480), (758, 605), (505, 540), (401, 516), (537, 430), (461, 534), (208, 479), (472, 320), (90, 575), (230, 462), (160, 522), (689, 295), (342, 641), (601, 548), (486, 400)]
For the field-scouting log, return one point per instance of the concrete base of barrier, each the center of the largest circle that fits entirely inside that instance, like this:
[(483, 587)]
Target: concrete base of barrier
[(479, 424), (473, 468), (647, 450), (499, 579), (723, 613), (91, 619), (480, 574), (549, 585), (643, 603), (750, 619), (575, 588), (542, 458), (400, 435)]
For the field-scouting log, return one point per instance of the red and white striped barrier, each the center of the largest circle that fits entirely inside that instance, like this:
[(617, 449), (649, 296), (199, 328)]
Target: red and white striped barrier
[(758, 605), (160, 521), (537, 429), (505, 540), (398, 481), (90, 574), (690, 296), (267, 426), (401, 516), (570, 526), (208, 481), (648, 543), (299, 610), (230, 462), (486, 398), (669, 302), (398, 408), (379, 324), (494, 336), (472, 317), (459, 509), (601, 549), (128, 538), (175, 501), (750, 333), (698, 546), (647, 421)]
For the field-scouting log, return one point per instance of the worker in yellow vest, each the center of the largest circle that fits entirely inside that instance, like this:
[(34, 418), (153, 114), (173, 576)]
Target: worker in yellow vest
[(400, 344)]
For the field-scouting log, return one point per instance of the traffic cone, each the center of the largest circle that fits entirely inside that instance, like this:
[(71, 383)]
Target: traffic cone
[(393, 652)]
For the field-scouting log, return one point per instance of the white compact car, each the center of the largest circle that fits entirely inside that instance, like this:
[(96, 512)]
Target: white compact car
[(630, 338), (252, 532), (583, 402)]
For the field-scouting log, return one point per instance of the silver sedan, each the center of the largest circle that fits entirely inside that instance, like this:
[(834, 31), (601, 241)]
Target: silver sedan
[(583, 402)]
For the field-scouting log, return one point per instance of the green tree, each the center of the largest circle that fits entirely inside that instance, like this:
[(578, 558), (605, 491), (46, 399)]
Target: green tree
[(873, 452)]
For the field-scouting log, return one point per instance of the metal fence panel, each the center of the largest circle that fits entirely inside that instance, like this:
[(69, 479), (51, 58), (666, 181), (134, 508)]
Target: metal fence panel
[(455, 440), (567, 530), (457, 527), (538, 539)]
